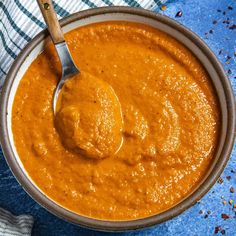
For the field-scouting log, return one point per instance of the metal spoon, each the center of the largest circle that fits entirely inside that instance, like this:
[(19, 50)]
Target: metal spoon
[(68, 66)]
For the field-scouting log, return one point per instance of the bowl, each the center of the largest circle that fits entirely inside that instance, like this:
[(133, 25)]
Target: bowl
[(163, 23)]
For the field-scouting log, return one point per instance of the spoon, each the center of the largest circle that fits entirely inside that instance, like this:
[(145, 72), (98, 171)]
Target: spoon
[(69, 69)]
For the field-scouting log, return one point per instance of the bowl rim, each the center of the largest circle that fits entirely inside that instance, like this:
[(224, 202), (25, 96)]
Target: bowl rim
[(106, 225)]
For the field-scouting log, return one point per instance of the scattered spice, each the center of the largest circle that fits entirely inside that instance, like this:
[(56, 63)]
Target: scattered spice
[(232, 27), (228, 177), (211, 31), (232, 189), (205, 216), (228, 57), (227, 62), (179, 14), (163, 8), (224, 13), (229, 72), (220, 52), (214, 22), (230, 201), (224, 202), (226, 21), (208, 212), (222, 231), (224, 216), (220, 181), (200, 212), (217, 229), (233, 171), (234, 205), (218, 10), (230, 8)]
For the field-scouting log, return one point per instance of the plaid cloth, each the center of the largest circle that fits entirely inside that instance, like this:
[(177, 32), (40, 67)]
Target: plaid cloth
[(20, 21)]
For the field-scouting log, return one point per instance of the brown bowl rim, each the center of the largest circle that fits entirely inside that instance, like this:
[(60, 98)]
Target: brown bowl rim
[(106, 225)]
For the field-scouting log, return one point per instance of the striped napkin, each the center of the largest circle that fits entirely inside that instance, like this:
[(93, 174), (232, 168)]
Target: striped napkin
[(11, 225), (20, 21)]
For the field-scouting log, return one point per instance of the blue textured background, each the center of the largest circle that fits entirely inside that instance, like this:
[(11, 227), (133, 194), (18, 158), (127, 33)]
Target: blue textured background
[(198, 15)]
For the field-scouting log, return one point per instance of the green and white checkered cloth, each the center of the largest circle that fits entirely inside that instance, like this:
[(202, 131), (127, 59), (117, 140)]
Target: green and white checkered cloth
[(20, 21)]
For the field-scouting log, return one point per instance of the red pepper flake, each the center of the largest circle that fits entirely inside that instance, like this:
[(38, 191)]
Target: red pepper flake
[(224, 216), (232, 188), (230, 8), (179, 14), (220, 181), (217, 229), (222, 231), (228, 177), (232, 27)]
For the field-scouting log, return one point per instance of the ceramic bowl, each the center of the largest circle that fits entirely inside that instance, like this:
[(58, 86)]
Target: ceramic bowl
[(179, 32)]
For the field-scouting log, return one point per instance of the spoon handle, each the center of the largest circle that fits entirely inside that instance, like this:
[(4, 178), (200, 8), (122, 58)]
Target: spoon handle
[(50, 18)]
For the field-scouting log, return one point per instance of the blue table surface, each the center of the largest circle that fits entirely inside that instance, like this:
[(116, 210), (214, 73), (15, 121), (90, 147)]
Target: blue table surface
[(201, 219)]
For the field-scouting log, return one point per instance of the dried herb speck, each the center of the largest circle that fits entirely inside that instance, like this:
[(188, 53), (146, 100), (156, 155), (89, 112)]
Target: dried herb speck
[(214, 22), (205, 216), (229, 71), (230, 8), (211, 31), (220, 52)]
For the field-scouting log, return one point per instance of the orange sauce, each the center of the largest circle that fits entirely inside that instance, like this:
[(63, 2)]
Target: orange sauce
[(166, 115)]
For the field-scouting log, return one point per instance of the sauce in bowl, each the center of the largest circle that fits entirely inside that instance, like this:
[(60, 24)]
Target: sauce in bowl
[(159, 131)]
